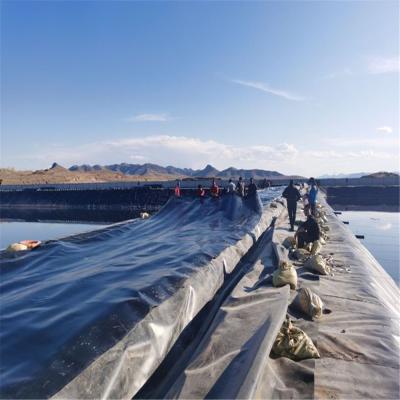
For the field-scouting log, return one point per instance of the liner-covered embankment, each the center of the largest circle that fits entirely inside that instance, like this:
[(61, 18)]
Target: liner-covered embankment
[(93, 315), (357, 336), (136, 198)]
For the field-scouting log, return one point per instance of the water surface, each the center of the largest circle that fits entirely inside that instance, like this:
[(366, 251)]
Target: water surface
[(382, 236), (15, 231)]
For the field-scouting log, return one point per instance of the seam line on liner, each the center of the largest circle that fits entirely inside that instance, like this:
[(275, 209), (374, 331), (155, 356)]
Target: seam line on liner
[(358, 362)]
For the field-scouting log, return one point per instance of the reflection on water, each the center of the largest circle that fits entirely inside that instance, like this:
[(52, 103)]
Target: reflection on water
[(11, 232), (382, 235), (46, 224), (67, 215)]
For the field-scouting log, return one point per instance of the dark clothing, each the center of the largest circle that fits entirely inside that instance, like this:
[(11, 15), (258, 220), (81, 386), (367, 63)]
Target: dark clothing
[(302, 239), (311, 228), (292, 196), (240, 188), (292, 207), (252, 189)]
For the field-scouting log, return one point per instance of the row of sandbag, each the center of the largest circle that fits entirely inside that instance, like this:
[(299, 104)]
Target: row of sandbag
[(310, 255), (291, 341)]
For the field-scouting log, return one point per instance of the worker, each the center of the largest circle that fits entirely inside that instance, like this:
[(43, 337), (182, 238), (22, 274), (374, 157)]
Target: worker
[(306, 203), (177, 189), (252, 188), (292, 196), (214, 190), (312, 195), (231, 187), (308, 232), (240, 187), (200, 191)]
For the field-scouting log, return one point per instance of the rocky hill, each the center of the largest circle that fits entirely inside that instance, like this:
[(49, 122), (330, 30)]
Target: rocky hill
[(126, 172), (382, 175), (208, 172)]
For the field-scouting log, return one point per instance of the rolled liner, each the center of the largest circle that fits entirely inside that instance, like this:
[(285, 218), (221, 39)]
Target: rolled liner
[(109, 323)]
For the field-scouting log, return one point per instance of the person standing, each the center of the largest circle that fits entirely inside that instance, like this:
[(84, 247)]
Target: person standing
[(292, 196), (252, 188), (231, 187), (200, 191), (177, 189), (240, 187), (214, 190), (312, 197)]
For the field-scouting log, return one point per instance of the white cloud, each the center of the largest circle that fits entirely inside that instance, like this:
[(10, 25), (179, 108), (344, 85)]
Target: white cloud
[(163, 117), (182, 151), (179, 151), (385, 129), (264, 87), (382, 65)]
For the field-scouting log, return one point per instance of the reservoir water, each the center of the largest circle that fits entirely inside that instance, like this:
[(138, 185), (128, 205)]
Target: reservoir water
[(11, 231), (381, 232)]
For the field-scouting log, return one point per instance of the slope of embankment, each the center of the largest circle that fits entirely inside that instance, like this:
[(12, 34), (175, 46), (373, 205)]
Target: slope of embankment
[(93, 315), (357, 338)]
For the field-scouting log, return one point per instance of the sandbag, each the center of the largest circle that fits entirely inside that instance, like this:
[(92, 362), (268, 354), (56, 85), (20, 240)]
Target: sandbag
[(318, 264), (144, 215), (300, 254), (285, 274), (293, 343), (17, 247), (308, 303), (289, 242), (325, 228), (322, 240), (316, 247)]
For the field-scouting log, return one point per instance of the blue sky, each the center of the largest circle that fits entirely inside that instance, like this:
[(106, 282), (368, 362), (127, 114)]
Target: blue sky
[(298, 87)]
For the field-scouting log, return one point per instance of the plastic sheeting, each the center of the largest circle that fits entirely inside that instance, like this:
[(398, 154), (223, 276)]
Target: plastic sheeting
[(93, 315), (356, 337)]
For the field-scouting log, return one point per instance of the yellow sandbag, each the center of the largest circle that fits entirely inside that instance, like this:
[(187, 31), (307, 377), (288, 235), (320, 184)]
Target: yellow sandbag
[(285, 274), (17, 247), (289, 242), (318, 264), (308, 303), (293, 343), (316, 247)]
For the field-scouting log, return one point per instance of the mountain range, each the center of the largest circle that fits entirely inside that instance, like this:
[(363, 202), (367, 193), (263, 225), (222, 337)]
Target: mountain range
[(173, 172)]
